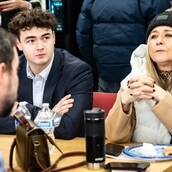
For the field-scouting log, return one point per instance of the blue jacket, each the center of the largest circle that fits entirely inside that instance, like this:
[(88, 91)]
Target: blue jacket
[(109, 30), (68, 75)]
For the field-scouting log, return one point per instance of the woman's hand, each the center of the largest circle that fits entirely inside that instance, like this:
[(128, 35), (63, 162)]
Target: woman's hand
[(14, 4), (139, 88), (64, 105), (159, 93), (142, 88)]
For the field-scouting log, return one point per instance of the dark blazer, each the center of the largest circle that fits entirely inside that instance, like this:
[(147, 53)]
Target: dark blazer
[(68, 75)]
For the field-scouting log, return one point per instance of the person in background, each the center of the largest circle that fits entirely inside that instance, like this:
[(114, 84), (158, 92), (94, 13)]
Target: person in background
[(8, 76), (49, 75), (144, 103), (107, 33), (9, 8)]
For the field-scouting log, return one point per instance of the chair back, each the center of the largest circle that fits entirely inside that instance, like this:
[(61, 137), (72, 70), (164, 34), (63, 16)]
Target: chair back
[(104, 101)]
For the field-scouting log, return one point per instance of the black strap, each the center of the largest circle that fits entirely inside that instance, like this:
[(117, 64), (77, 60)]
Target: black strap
[(11, 154), (63, 156), (53, 143)]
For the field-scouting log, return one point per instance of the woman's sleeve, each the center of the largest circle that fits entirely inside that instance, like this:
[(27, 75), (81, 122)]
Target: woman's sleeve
[(163, 111), (119, 126)]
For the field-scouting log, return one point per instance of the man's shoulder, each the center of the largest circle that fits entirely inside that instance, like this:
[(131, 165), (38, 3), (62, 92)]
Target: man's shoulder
[(22, 58), (22, 61)]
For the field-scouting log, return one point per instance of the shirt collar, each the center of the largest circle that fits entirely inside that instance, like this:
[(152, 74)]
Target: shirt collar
[(44, 73)]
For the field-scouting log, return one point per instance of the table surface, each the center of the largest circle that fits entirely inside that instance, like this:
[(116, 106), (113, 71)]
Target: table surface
[(77, 144)]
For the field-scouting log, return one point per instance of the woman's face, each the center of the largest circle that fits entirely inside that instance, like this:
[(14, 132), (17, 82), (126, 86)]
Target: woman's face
[(160, 47)]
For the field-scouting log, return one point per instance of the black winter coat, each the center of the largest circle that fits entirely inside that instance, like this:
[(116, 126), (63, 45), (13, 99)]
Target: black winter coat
[(109, 30)]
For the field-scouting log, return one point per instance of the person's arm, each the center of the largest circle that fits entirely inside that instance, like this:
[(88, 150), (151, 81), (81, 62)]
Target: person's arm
[(163, 110), (2, 164), (18, 4), (80, 85), (119, 126), (84, 32), (7, 125)]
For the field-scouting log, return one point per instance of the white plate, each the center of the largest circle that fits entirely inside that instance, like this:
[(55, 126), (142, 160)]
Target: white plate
[(139, 152)]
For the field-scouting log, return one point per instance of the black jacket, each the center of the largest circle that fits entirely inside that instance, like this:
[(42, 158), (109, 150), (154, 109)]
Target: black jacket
[(109, 30), (68, 75)]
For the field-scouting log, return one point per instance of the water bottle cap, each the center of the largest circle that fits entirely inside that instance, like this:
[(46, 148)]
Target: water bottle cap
[(22, 103), (45, 105)]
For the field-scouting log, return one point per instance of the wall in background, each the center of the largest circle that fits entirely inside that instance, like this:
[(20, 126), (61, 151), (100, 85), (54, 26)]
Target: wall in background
[(67, 12)]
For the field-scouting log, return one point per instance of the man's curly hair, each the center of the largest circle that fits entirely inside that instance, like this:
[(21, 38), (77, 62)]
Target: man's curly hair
[(27, 19)]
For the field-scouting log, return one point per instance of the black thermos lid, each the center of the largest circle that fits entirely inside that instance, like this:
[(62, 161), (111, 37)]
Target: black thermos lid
[(95, 113)]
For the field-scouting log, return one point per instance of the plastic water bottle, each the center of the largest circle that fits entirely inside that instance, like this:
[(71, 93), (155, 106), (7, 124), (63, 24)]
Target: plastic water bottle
[(23, 109), (45, 120), (57, 119)]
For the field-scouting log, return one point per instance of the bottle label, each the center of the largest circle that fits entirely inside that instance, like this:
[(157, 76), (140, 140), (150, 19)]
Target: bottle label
[(45, 124)]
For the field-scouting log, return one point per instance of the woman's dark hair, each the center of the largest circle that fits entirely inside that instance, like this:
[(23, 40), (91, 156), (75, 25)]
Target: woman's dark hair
[(7, 43), (28, 19)]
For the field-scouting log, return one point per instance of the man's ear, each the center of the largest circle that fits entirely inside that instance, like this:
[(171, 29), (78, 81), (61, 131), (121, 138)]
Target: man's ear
[(3, 70), (54, 37), (19, 45)]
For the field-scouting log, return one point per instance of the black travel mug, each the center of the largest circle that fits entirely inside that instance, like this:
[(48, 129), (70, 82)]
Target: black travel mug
[(95, 138)]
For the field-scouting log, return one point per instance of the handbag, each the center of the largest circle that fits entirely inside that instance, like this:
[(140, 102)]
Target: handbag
[(32, 151)]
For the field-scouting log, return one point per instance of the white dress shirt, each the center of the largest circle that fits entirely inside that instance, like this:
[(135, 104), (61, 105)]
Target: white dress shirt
[(38, 83)]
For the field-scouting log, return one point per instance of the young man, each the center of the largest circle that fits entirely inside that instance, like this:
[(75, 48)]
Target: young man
[(49, 75), (8, 77)]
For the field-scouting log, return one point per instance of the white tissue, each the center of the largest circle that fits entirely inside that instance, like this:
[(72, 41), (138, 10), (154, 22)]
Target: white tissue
[(148, 149)]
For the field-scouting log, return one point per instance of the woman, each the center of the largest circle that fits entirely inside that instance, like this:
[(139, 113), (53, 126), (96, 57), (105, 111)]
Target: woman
[(143, 109)]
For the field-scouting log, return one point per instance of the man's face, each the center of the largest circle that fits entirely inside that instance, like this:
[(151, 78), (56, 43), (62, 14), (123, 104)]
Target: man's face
[(37, 45), (8, 86)]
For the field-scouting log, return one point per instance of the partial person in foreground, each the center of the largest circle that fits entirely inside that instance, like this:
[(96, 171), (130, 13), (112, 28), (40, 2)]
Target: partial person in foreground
[(143, 109), (49, 75), (8, 77)]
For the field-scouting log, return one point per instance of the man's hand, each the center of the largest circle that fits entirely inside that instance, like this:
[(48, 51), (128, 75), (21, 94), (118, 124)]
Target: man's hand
[(64, 105)]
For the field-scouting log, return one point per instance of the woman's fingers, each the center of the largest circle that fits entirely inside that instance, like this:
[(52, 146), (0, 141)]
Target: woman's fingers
[(140, 81), (141, 87)]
